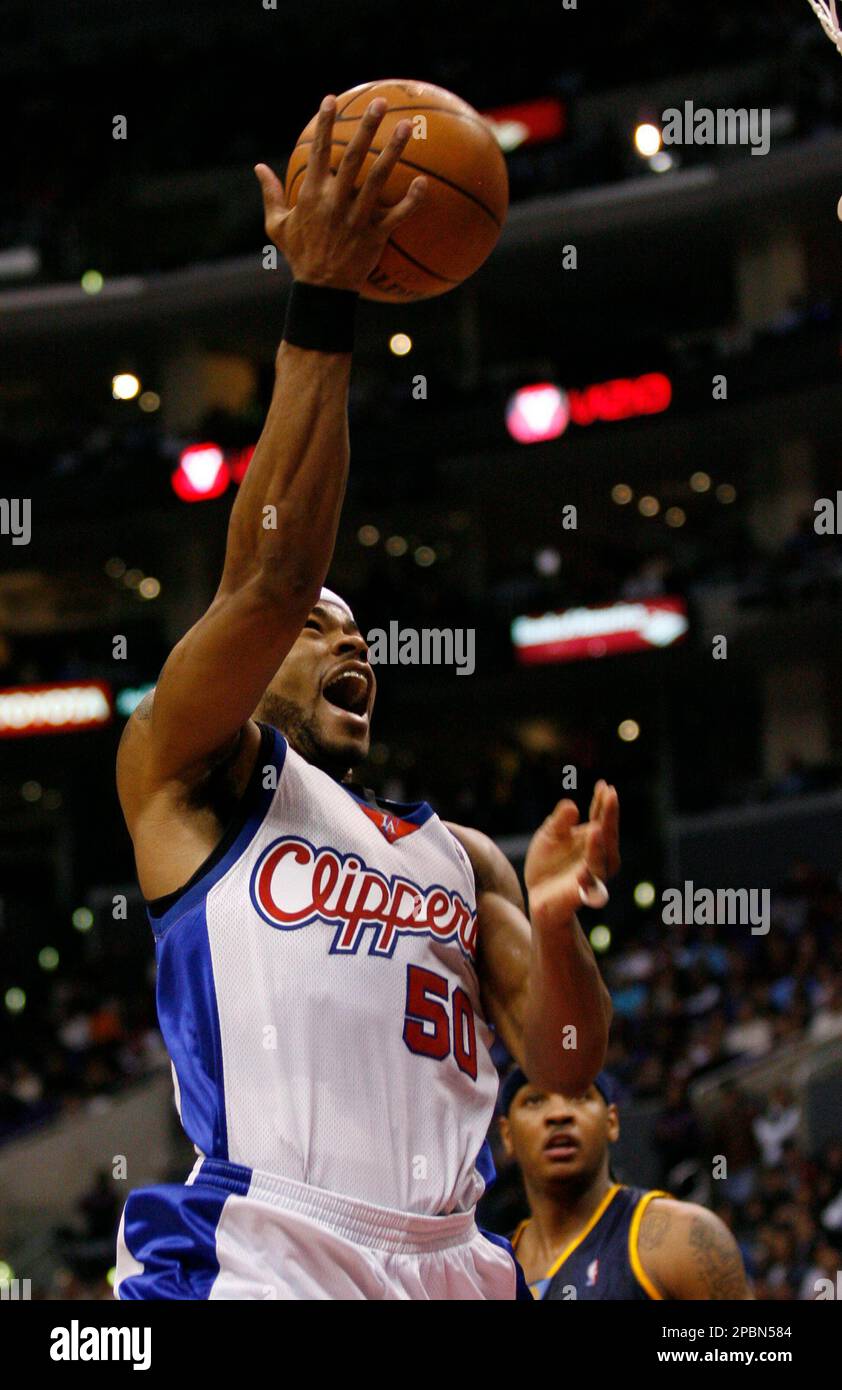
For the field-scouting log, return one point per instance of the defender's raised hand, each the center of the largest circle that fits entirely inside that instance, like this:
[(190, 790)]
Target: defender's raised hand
[(567, 862), (335, 234)]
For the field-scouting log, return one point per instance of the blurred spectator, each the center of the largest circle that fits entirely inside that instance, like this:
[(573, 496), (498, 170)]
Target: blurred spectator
[(750, 1035), (827, 1021), (778, 1123)]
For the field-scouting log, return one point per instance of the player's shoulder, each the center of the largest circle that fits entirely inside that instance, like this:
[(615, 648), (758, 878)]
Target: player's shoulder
[(131, 756), (492, 870), (137, 780), (667, 1216), (688, 1251)]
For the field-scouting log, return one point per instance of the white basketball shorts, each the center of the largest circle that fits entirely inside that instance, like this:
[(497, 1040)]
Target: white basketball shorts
[(232, 1233)]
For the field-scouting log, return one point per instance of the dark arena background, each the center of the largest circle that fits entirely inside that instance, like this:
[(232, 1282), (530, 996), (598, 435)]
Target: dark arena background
[(627, 425)]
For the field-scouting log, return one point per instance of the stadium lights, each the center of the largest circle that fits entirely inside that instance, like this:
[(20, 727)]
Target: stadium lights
[(15, 1000), (647, 139), (125, 386), (547, 561), (400, 344), (644, 894), (628, 730)]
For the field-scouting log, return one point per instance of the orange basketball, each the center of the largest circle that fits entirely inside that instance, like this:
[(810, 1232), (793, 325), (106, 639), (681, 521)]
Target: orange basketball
[(457, 225)]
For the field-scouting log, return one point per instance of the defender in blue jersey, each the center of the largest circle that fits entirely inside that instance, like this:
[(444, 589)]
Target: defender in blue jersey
[(589, 1237)]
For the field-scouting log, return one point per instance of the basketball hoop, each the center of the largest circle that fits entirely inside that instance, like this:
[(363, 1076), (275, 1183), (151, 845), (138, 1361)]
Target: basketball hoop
[(829, 20)]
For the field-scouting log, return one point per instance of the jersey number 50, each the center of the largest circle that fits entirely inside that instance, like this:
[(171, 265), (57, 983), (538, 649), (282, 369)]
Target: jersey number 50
[(426, 1026)]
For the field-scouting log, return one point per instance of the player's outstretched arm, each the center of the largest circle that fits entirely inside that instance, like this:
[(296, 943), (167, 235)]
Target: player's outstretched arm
[(567, 1010), (541, 984), (283, 523), (688, 1253)]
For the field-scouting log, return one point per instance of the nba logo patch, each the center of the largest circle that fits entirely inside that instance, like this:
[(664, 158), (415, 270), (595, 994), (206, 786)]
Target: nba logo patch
[(593, 1273)]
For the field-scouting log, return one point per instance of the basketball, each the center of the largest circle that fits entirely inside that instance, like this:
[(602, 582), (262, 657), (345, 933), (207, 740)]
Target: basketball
[(457, 225)]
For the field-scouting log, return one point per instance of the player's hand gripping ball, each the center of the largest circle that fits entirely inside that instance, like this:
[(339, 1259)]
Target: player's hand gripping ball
[(456, 226)]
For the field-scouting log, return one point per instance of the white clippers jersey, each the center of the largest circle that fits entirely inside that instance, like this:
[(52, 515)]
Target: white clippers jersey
[(318, 995)]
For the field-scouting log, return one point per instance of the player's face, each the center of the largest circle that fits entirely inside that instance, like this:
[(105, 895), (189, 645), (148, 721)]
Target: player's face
[(559, 1138), (323, 693)]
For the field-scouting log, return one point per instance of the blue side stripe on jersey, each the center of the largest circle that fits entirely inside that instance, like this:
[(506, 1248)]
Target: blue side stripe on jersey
[(189, 1020), (485, 1165), (255, 805), (186, 993)]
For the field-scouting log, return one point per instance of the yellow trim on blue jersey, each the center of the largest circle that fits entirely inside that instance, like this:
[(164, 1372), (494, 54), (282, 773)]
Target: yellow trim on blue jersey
[(634, 1254), (574, 1244)]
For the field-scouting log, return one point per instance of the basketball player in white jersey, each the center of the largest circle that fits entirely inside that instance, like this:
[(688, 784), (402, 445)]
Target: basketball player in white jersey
[(330, 967)]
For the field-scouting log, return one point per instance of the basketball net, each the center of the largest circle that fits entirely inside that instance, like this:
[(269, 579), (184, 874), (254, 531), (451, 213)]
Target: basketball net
[(828, 19)]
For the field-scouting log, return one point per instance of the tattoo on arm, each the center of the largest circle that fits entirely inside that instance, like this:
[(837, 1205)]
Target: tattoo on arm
[(653, 1228), (717, 1260)]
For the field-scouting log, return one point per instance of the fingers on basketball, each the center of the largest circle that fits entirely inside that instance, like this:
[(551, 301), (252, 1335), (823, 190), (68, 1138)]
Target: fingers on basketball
[(357, 149), (318, 164)]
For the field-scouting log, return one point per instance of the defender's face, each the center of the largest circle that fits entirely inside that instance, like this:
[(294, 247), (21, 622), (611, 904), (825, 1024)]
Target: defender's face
[(558, 1138), (323, 693)]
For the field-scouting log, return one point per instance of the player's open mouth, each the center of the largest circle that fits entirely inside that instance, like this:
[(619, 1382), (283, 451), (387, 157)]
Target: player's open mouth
[(561, 1146), (348, 690)]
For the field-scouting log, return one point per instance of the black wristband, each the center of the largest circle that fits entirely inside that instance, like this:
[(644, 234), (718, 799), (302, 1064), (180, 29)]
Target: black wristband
[(320, 317)]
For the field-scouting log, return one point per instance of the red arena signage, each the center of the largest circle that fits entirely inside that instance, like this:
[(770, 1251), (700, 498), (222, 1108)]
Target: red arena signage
[(620, 399), (543, 411), (528, 123), (582, 633), (60, 708)]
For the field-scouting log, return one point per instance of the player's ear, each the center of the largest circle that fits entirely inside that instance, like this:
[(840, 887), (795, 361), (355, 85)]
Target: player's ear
[(506, 1136), (613, 1125)]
